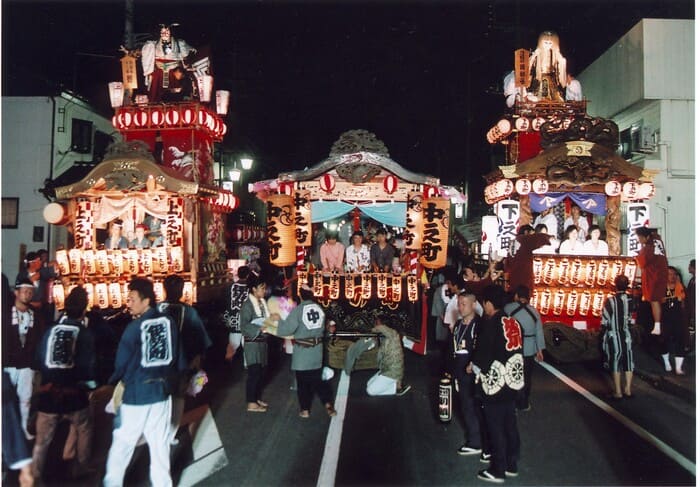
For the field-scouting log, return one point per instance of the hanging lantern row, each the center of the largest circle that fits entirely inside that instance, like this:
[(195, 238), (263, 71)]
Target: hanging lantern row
[(106, 295), (162, 117), (503, 189), (505, 127), (572, 302), (360, 286), (581, 271), (223, 202), (630, 191), (115, 262), (248, 233)]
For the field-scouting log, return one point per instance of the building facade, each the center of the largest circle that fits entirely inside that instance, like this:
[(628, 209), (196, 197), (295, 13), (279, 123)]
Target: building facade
[(645, 83), (42, 138)]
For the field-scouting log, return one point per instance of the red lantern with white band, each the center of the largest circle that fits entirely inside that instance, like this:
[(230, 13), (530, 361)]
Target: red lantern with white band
[(327, 183), (157, 116), (391, 183), (141, 118), (188, 116), (172, 117)]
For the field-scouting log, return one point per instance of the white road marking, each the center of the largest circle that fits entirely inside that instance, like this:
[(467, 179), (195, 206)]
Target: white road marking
[(329, 464), (641, 432)]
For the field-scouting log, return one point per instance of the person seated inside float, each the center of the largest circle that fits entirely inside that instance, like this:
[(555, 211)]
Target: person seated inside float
[(115, 239), (594, 245), (553, 245), (381, 253), (548, 218), (140, 240), (579, 221), (571, 245), (357, 255), (332, 253)]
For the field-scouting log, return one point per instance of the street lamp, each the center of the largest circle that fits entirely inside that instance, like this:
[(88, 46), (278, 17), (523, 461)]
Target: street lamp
[(246, 163), (235, 174)]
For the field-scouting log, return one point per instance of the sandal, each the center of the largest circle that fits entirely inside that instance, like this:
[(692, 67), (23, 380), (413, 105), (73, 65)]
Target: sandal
[(257, 408), (330, 410), (304, 414), (262, 403)]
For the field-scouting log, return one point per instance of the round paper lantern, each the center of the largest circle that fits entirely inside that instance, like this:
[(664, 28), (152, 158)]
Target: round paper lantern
[(630, 190), (238, 234), (327, 183), (172, 117), (157, 116), (188, 116), (537, 123), (141, 118), (540, 186), (391, 183), (504, 188), (430, 192), (287, 188), (202, 117), (523, 186), (210, 121), (522, 124), (504, 127), (235, 201), (646, 190), (115, 123), (613, 188), (55, 213), (125, 118), (224, 129)]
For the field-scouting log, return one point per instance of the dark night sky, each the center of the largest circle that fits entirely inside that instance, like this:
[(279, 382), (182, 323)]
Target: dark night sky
[(421, 75)]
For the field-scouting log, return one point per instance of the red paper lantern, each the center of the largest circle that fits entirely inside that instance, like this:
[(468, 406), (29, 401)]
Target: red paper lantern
[(157, 117), (211, 122), (327, 183), (141, 118), (238, 234), (430, 192), (224, 129), (286, 188), (202, 117), (391, 183), (188, 116), (172, 117), (125, 118), (115, 122)]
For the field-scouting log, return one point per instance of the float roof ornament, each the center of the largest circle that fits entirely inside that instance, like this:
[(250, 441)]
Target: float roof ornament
[(358, 156), (127, 167)]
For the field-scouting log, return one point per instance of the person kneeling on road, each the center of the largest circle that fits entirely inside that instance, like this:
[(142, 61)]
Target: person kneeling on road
[(388, 380)]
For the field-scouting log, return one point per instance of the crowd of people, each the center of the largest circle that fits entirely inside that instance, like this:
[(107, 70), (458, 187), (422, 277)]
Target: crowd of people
[(488, 340)]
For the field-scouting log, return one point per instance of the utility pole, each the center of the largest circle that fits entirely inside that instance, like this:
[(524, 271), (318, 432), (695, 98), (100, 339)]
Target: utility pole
[(129, 24)]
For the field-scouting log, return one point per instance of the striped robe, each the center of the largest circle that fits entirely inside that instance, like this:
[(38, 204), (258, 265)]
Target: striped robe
[(617, 341)]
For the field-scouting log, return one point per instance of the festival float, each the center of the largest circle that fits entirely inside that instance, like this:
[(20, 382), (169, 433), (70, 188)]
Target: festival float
[(556, 156), (360, 181), (150, 208)]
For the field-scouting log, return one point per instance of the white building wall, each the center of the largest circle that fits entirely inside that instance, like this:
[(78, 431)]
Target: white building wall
[(27, 146), (655, 88)]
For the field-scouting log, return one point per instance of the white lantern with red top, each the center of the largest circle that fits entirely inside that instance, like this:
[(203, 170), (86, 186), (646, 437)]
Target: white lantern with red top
[(391, 183), (613, 188), (327, 183), (523, 186), (540, 186)]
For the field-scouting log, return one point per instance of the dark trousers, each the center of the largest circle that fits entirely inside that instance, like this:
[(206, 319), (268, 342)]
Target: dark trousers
[(523, 399), (308, 383), (253, 384), (503, 433), (473, 414)]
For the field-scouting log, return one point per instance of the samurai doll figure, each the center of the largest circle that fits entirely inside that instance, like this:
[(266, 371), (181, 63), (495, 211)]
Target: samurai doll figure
[(548, 68), (159, 60)]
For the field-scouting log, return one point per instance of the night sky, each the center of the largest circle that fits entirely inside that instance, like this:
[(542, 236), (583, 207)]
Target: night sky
[(424, 76)]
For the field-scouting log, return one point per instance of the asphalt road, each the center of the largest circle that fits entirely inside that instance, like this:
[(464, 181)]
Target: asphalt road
[(567, 439)]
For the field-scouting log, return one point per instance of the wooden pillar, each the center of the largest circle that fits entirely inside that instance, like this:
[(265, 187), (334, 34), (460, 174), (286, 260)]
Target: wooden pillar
[(356, 220), (612, 224), (525, 210)]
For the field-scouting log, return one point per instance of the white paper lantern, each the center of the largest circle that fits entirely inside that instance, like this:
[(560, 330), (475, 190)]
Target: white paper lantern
[(523, 186), (540, 186), (522, 124), (613, 188)]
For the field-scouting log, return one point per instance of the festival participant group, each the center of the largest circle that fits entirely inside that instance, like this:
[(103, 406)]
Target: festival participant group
[(487, 336)]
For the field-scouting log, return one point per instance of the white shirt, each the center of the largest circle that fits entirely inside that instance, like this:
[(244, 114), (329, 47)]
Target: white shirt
[(567, 248), (601, 249), (550, 221), (357, 260), (582, 225), (574, 92)]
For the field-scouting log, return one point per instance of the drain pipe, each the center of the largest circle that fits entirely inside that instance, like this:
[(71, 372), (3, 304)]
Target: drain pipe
[(53, 143)]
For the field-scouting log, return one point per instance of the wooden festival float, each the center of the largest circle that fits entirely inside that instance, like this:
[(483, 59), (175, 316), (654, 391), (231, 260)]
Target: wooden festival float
[(361, 180), (554, 152), (159, 180)]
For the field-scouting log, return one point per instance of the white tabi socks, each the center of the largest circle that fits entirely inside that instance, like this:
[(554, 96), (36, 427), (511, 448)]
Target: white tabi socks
[(657, 329), (667, 362), (679, 365)]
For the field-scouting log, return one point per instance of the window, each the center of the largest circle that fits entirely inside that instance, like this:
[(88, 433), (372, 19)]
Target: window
[(81, 136), (10, 212)]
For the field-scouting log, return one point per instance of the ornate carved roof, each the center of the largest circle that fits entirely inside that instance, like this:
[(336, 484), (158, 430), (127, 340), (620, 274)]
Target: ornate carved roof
[(575, 163), (126, 168), (358, 156)]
